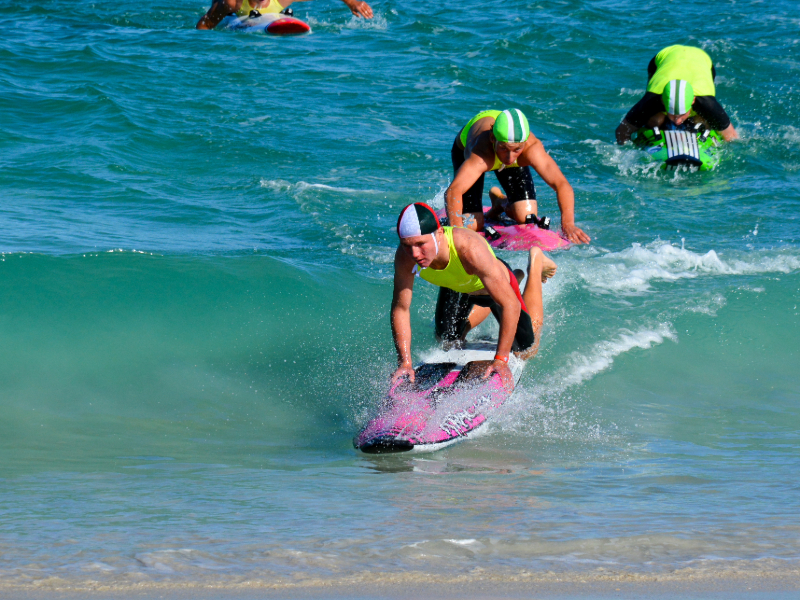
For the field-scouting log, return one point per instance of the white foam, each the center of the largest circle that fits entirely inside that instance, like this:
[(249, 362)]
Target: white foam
[(707, 305), (791, 134), (302, 186), (547, 408), (581, 367), (463, 542), (635, 269), (377, 22), (277, 185), (280, 185)]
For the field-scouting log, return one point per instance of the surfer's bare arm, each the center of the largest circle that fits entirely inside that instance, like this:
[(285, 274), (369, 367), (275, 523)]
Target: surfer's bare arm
[(401, 314), (478, 260), (467, 174), (729, 133), (359, 8), (624, 131), (548, 170), (218, 11)]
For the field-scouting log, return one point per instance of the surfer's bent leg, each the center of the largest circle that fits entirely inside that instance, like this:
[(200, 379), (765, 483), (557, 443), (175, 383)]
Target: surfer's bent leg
[(472, 209), (451, 322), (524, 338), (517, 183), (540, 268)]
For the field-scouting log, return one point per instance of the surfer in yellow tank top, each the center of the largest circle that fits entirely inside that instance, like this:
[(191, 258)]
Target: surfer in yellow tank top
[(501, 141), (222, 8), (461, 260)]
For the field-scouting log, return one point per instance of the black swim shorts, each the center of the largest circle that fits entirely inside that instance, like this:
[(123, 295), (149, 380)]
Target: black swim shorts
[(452, 316)]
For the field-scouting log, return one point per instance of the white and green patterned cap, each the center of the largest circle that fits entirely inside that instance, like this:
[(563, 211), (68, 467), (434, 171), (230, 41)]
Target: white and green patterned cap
[(678, 96), (511, 127)]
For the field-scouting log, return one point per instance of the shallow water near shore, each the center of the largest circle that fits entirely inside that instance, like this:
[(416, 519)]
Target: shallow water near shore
[(197, 243)]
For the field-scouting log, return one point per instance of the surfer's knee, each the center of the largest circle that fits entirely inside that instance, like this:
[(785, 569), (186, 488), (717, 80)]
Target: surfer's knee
[(520, 209)]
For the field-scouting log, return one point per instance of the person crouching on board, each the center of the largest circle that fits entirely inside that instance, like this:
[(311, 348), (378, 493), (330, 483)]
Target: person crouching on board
[(501, 141), (222, 8), (680, 87), (461, 260)]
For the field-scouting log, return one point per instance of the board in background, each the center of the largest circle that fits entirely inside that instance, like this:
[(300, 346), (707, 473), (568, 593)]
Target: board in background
[(695, 148), (271, 23), (505, 234)]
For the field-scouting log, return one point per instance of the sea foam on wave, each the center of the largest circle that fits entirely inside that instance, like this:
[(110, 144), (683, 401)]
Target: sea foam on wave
[(582, 366), (633, 270)]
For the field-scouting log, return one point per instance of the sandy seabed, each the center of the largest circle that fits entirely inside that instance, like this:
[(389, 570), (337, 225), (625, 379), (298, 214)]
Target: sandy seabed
[(746, 581)]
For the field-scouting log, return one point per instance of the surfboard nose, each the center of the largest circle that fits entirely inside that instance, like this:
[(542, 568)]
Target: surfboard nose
[(687, 161), (385, 445)]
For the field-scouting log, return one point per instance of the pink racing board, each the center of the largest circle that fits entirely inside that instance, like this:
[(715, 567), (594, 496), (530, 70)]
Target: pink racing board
[(518, 237), (448, 402)]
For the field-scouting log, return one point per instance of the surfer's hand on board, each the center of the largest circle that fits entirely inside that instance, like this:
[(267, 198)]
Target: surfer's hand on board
[(501, 368), (403, 371), (575, 234), (359, 8)]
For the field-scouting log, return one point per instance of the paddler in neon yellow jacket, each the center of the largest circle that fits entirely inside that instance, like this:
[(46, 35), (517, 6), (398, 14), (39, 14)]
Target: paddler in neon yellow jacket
[(458, 259), (680, 86), (222, 8), (501, 141)]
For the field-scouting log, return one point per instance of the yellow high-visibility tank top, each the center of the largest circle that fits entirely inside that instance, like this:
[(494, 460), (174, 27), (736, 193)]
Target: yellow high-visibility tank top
[(453, 276), (273, 7)]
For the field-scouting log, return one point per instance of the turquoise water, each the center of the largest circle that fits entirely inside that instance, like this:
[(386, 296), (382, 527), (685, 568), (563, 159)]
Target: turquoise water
[(197, 236)]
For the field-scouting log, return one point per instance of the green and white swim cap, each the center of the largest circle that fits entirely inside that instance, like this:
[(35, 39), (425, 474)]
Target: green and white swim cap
[(678, 96), (511, 127)]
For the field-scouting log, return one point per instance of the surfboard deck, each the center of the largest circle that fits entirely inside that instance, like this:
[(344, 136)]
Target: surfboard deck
[(697, 149), (449, 402), (273, 24), (507, 235)]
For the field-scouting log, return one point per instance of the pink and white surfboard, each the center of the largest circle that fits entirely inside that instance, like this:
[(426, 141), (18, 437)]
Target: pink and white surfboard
[(519, 237), (448, 402)]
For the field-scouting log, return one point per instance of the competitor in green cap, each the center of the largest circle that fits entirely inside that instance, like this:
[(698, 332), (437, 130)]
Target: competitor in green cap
[(680, 89), (501, 141)]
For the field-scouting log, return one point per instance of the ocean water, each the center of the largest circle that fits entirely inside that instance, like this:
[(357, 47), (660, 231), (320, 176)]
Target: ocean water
[(196, 238)]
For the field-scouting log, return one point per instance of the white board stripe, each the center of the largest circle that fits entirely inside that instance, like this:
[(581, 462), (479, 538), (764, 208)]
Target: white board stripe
[(671, 107), (682, 143), (507, 113)]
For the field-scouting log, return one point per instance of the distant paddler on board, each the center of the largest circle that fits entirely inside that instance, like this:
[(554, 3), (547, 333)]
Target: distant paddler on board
[(461, 260), (680, 90), (501, 141), (223, 8)]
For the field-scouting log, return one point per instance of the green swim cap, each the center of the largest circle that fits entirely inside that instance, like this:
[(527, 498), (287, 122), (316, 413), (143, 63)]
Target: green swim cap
[(678, 96), (511, 127)]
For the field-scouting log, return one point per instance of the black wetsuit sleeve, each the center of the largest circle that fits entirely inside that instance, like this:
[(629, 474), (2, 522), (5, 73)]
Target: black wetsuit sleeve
[(711, 110), (647, 107), (651, 69)]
